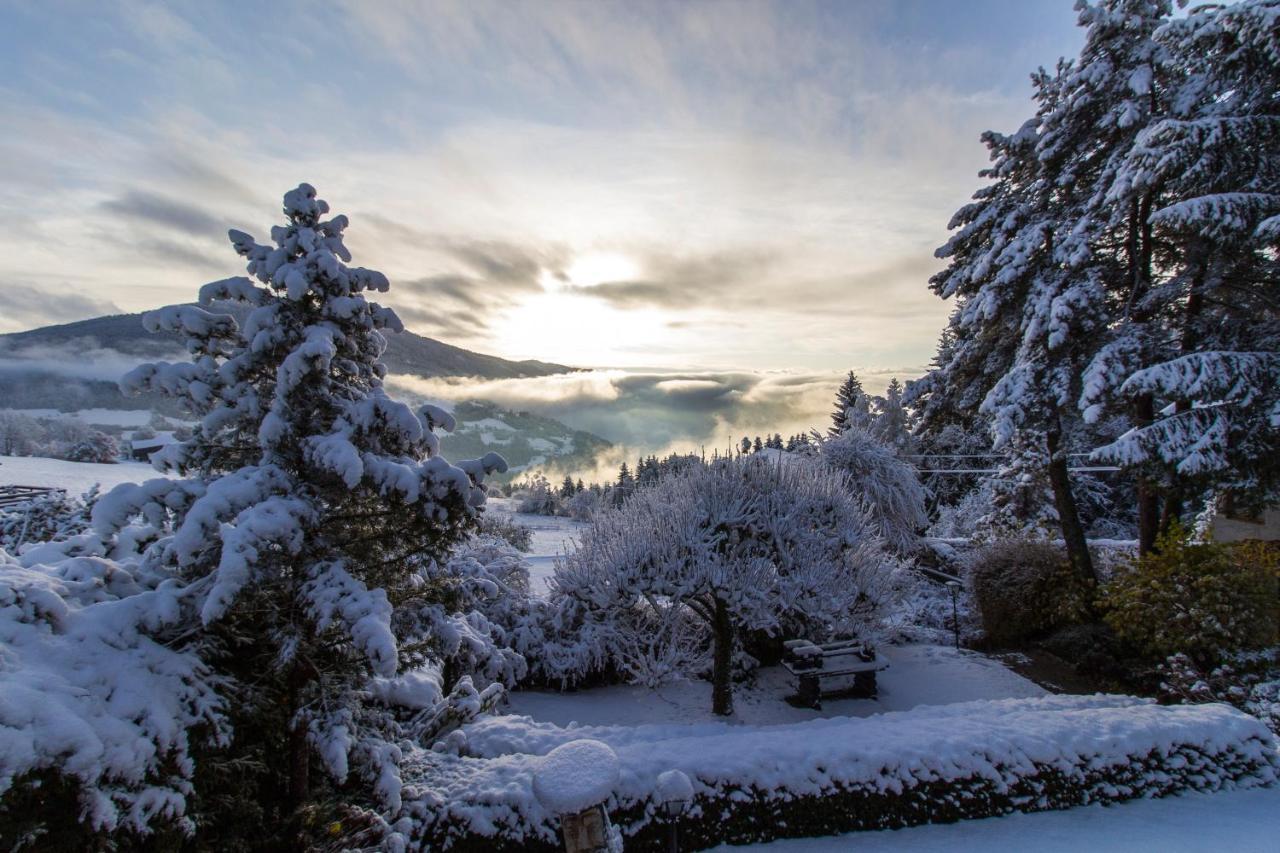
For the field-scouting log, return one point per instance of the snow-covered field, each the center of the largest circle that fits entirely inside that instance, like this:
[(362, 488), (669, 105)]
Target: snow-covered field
[(1235, 821), (917, 675), (101, 417), (552, 536), (75, 477)]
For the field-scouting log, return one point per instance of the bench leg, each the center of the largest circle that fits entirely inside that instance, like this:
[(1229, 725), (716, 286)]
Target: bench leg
[(810, 692)]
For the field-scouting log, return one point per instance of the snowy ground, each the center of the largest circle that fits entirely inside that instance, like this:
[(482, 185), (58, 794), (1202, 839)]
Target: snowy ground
[(917, 675), (552, 536), (1236, 821), (75, 477)]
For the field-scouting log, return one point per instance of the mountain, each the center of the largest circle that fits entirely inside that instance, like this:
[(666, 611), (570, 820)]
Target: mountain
[(527, 441), (63, 368), (406, 352)]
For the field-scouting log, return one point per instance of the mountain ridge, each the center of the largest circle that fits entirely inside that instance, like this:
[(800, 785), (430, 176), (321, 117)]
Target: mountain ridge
[(407, 352)]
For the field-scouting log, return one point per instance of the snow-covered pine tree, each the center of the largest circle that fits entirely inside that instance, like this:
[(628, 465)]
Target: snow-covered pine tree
[(852, 406), (890, 423), (310, 526), (1116, 88), (1016, 338), (1198, 353)]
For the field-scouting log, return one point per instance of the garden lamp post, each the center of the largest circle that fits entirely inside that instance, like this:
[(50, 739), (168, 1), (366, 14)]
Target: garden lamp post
[(955, 618), (674, 794)]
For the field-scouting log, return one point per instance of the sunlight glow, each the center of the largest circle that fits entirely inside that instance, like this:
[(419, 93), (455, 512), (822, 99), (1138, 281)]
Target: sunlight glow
[(577, 330), (594, 268)]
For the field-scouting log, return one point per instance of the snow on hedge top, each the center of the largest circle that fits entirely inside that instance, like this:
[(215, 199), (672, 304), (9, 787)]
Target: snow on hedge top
[(575, 776), (491, 790)]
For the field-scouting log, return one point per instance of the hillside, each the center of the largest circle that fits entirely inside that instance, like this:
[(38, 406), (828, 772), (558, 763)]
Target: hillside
[(527, 441), (406, 352)]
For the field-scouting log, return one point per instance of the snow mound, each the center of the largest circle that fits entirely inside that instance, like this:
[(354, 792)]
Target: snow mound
[(575, 776), (673, 786)]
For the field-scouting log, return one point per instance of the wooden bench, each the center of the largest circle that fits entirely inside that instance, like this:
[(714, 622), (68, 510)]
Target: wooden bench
[(815, 665)]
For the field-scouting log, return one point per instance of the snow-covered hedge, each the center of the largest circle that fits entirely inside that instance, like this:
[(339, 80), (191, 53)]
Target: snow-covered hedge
[(933, 764)]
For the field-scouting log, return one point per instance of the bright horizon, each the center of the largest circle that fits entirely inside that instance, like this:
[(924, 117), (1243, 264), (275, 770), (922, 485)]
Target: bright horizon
[(732, 186)]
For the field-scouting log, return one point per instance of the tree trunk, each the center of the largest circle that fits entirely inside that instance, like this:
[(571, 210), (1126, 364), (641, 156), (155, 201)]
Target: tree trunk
[(299, 749), (1068, 514), (1148, 499), (722, 661), (1176, 498), (1139, 247)]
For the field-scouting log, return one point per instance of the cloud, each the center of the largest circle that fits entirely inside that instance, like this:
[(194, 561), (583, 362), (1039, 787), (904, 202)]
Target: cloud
[(82, 358), (659, 411), (487, 276), (23, 306), (168, 212)]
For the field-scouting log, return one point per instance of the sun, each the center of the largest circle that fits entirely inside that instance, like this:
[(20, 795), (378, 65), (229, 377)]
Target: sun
[(594, 268)]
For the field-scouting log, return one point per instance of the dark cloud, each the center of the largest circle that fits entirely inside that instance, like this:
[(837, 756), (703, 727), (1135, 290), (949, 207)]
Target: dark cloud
[(487, 275), (683, 282), (452, 325), (174, 252), (25, 307), (169, 212)]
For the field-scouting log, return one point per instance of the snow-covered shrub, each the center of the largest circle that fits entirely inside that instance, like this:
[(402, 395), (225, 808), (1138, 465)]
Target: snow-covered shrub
[(536, 496), (48, 517), (1202, 599), (921, 612), (513, 533), (888, 487), (823, 777), (738, 546), (20, 434), (1249, 681), (586, 503), (294, 575), (103, 702), (1025, 589), (98, 447)]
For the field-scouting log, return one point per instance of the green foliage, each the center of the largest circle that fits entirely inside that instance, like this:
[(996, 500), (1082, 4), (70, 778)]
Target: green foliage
[(1205, 600), (1250, 681), (1025, 589)]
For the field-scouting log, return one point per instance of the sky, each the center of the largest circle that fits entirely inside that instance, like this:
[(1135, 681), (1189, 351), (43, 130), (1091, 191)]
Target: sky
[(747, 189)]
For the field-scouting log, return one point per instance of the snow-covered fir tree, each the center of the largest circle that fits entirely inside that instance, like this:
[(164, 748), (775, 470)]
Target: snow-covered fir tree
[(1197, 353), (852, 406), (891, 423), (285, 604)]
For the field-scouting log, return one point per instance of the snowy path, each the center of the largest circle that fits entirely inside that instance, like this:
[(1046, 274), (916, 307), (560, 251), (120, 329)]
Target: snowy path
[(75, 477), (917, 675), (552, 536), (1235, 821)]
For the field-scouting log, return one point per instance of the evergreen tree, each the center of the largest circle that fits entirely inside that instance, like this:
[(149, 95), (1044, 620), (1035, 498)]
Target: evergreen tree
[(1197, 196), (745, 447), (566, 487), (890, 425), (852, 406), (310, 530), (757, 445)]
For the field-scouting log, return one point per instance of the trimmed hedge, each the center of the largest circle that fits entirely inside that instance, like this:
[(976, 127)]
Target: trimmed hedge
[(1203, 748)]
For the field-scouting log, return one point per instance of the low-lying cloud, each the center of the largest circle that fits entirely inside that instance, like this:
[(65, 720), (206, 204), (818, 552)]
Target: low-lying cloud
[(23, 306), (658, 411)]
